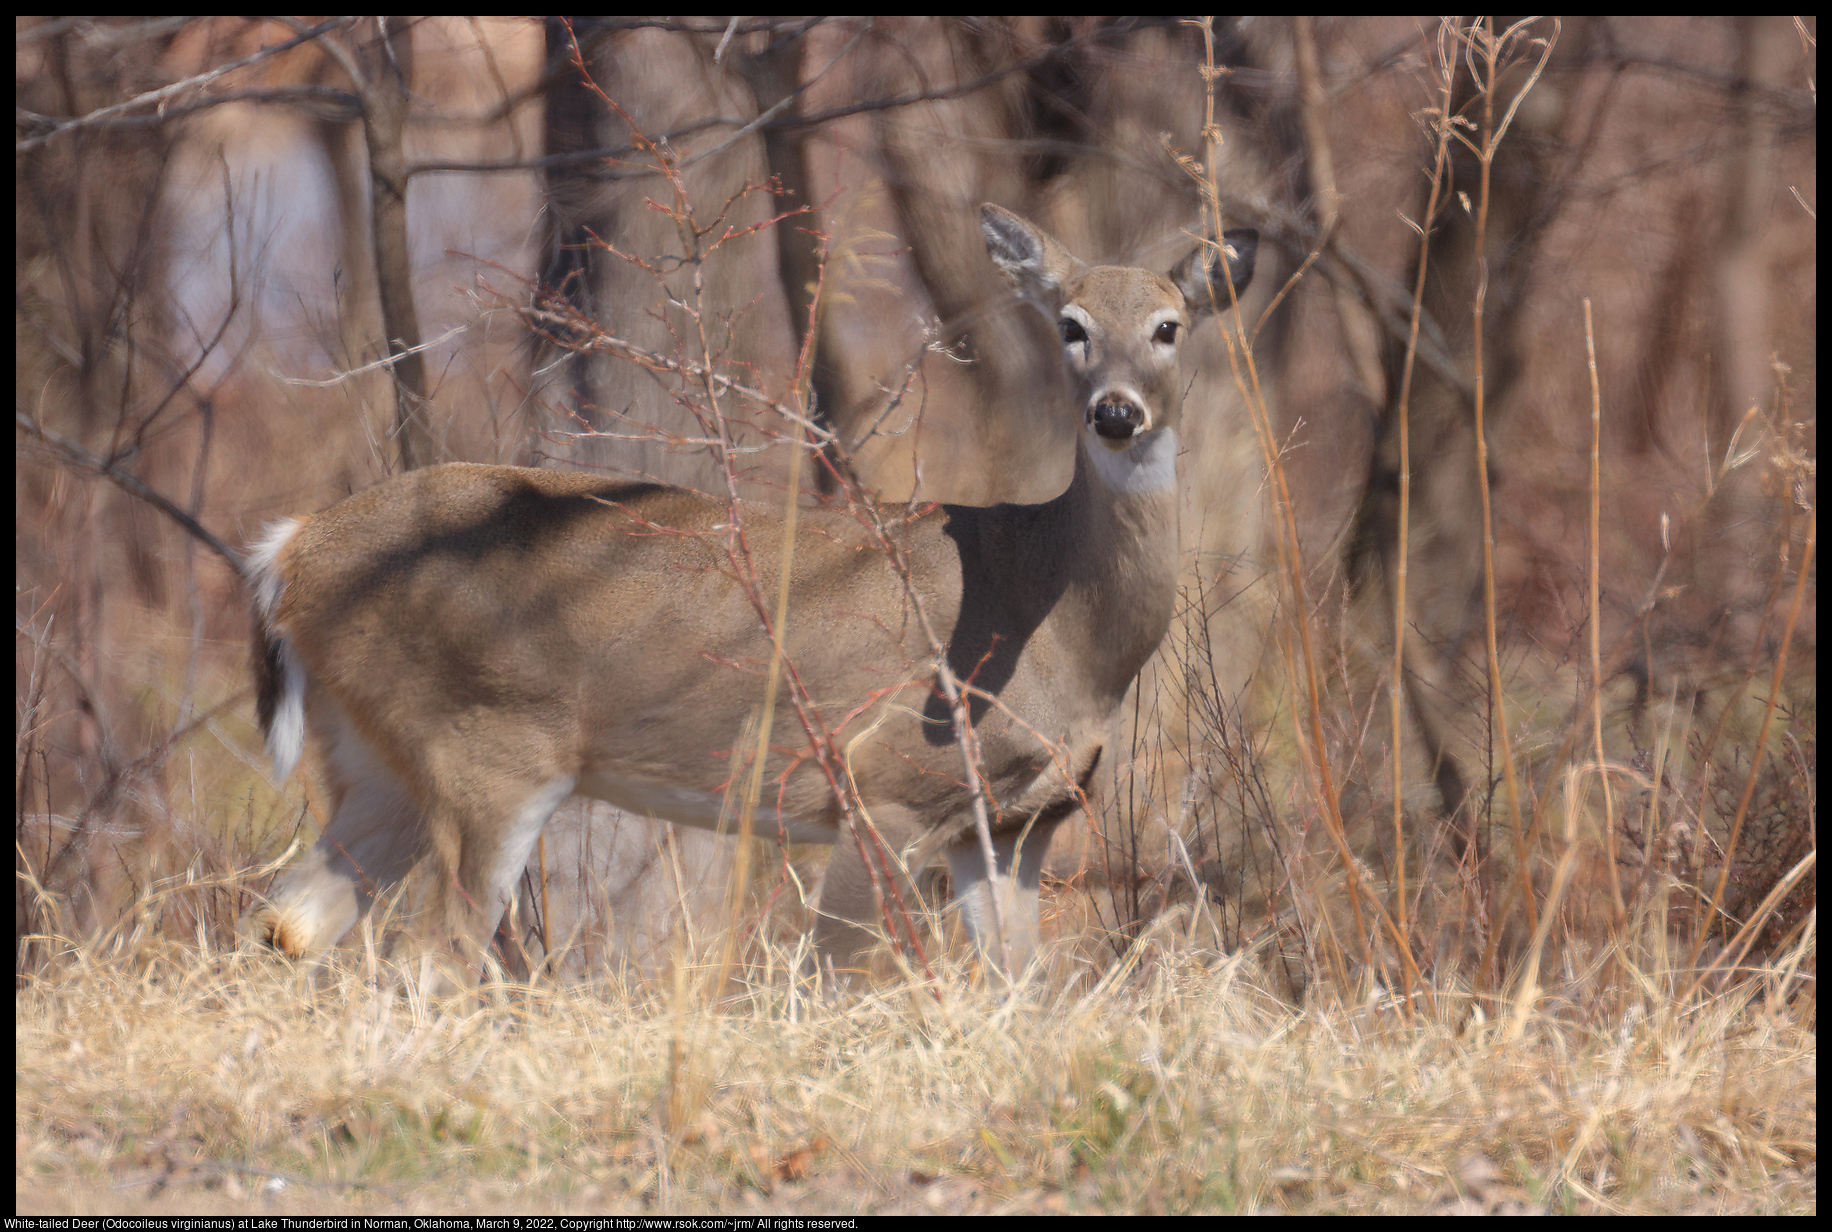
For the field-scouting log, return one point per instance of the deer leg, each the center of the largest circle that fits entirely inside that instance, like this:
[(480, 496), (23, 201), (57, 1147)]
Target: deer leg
[(856, 898), (377, 833), (486, 831), (1019, 855)]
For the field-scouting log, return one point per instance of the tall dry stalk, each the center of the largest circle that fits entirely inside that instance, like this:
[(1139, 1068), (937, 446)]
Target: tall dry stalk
[(1487, 55), (1441, 123), (1246, 375), (1595, 608)]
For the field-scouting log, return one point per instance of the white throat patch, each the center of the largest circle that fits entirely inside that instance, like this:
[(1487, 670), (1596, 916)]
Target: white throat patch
[(1147, 467)]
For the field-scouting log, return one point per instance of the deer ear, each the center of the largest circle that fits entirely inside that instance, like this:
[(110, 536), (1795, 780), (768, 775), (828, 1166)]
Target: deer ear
[(1204, 280), (1032, 261)]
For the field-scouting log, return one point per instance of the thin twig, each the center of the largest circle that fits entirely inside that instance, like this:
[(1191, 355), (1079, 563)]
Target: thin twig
[(1402, 549), (1596, 618), (153, 98), (110, 470), (1490, 48)]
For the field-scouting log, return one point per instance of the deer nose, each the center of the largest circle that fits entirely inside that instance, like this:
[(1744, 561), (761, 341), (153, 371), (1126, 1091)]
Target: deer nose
[(1117, 416)]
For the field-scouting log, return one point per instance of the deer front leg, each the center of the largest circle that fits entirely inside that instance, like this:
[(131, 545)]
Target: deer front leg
[(1019, 854), (857, 897)]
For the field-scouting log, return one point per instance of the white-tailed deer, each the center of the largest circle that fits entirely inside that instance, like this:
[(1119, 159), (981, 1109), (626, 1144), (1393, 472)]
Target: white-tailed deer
[(473, 644)]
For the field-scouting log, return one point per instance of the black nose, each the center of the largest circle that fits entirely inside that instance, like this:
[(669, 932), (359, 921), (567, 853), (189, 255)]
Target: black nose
[(1116, 419)]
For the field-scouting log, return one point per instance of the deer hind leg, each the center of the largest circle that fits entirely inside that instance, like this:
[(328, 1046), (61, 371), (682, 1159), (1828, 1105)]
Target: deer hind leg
[(377, 833), (483, 829), (1019, 854)]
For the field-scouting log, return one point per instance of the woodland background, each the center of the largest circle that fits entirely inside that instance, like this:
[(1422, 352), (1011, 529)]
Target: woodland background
[(226, 229)]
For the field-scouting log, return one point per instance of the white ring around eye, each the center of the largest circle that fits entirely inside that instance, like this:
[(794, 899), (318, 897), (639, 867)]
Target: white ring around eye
[(1159, 321)]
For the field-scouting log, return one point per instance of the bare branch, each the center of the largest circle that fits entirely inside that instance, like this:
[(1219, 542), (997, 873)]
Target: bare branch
[(778, 124), (111, 470), (157, 98)]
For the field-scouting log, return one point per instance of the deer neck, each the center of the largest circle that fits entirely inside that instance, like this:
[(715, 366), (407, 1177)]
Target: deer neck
[(1123, 572), (1081, 587)]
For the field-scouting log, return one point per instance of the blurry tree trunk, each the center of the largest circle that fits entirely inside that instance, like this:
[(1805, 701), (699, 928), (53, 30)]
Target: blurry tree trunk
[(387, 62), (1741, 376), (774, 74)]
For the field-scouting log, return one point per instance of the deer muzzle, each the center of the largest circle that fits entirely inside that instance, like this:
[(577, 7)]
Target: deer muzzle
[(1117, 416)]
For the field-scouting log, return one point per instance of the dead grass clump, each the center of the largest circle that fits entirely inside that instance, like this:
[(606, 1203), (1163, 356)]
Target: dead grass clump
[(1180, 1084)]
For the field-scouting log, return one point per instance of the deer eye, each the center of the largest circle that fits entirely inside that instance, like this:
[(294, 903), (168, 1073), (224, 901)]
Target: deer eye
[(1166, 333), (1072, 332)]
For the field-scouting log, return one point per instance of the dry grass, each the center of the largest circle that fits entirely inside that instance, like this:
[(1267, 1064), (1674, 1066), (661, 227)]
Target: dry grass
[(1174, 1083)]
